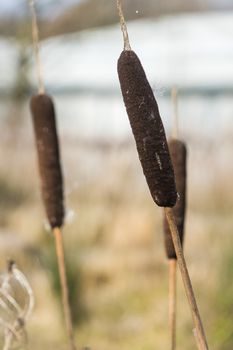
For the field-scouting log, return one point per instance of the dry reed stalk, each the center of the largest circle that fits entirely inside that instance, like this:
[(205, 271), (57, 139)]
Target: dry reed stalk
[(35, 39), (63, 278), (64, 286), (201, 337), (172, 302), (123, 26), (154, 155), (47, 142), (178, 154)]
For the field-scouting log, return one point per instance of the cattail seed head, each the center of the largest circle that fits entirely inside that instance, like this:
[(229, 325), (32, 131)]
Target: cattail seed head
[(148, 129), (178, 153), (43, 115)]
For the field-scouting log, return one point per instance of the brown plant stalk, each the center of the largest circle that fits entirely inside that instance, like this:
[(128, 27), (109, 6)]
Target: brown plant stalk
[(178, 155), (123, 26), (35, 39), (63, 279), (201, 337), (172, 302)]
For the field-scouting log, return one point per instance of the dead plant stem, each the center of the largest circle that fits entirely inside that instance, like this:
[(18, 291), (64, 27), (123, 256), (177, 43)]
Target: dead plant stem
[(123, 26), (64, 286), (35, 38), (172, 302), (201, 338)]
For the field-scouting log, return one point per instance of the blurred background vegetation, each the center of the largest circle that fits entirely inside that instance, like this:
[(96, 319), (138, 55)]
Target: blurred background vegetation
[(113, 234), (59, 17)]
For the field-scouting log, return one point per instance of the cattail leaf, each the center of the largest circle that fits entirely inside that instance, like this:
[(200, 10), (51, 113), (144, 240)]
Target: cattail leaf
[(148, 129), (178, 153), (43, 116)]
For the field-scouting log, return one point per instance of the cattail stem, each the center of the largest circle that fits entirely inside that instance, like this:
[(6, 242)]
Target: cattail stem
[(175, 130), (63, 280), (123, 26), (201, 338), (35, 38), (172, 302)]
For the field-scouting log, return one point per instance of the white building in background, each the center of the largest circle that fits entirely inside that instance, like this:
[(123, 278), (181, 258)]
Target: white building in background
[(193, 51)]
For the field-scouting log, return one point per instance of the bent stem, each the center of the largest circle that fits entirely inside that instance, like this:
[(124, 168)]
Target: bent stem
[(201, 337), (172, 302), (64, 286)]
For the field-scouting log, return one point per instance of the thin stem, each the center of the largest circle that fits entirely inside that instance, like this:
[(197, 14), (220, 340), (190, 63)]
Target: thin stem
[(63, 280), (11, 301), (35, 38), (175, 129), (19, 276), (201, 338), (172, 302), (123, 26)]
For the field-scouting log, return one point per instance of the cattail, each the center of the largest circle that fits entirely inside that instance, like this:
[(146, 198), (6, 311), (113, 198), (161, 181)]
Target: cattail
[(178, 153), (154, 155), (43, 115), (148, 129)]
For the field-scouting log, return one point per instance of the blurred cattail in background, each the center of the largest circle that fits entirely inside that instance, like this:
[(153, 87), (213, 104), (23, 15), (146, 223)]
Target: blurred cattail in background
[(178, 153), (43, 115)]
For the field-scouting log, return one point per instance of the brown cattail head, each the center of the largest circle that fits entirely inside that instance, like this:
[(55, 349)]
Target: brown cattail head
[(43, 115), (178, 153), (148, 129)]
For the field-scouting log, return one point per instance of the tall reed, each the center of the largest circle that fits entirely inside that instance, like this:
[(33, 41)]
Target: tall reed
[(44, 122), (153, 153), (178, 154)]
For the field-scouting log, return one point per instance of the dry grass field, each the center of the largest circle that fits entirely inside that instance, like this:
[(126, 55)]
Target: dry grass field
[(114, 244)]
